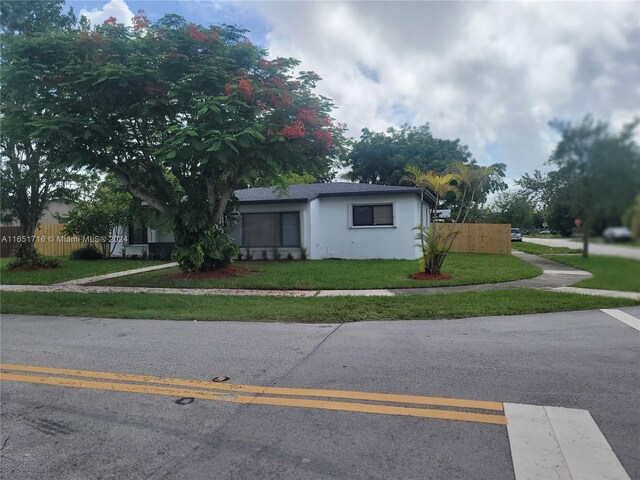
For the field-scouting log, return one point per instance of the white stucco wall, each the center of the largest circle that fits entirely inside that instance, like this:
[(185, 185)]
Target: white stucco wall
[(332, 235)]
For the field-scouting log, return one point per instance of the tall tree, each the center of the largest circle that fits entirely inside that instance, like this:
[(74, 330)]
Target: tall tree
[(32, 167), (382, 158), (97, 218), (28, 17), (515, 208), (597, 174), (184, 115)]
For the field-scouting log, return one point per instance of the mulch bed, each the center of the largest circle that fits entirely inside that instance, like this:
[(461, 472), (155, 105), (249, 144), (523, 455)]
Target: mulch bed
[(428, 276), (227, 272)]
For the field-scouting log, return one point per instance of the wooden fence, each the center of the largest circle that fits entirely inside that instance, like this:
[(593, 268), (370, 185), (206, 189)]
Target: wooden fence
[(48, 240), (479, 237)]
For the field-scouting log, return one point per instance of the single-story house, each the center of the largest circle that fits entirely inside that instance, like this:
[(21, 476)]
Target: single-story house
[(322, 220), (331, 220)]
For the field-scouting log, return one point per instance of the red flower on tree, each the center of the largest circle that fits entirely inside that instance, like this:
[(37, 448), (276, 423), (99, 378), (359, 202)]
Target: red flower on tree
[(193, 32), (200, 36), (306, 115), (140, 21), (324, 137), (291, 132), (280, 101), (96, 38), (110, 21), (227, 89), (245, 88)]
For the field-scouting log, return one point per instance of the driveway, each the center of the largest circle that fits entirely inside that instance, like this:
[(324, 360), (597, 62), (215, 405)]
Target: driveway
[(67, 412), (594, 248)]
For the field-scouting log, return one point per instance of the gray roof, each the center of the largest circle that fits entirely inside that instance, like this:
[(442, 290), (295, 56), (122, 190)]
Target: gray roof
[(307, 192)]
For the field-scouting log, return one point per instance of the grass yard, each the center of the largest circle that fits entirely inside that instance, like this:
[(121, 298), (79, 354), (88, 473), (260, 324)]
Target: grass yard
[(609, 273), (467, 269), (68, 270), (537, 249), (304, 310)]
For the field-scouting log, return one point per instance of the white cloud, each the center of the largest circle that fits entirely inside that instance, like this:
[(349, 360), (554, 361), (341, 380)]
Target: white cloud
[(115, 8), (490, 73)]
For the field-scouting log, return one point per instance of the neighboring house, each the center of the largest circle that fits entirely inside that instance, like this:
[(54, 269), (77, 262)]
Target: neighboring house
[(323, 220), (331, 220), (140, 241), (55, 213)]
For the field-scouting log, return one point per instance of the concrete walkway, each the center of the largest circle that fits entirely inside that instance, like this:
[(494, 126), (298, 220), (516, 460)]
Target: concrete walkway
[(107, 276), (555, 277)]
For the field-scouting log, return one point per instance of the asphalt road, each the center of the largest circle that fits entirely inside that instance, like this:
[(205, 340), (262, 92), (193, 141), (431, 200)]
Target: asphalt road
[(584, 360), (611, 250)]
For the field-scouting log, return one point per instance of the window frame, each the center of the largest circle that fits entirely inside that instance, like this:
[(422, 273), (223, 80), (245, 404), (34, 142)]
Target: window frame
[(373, 204), (279, 227)]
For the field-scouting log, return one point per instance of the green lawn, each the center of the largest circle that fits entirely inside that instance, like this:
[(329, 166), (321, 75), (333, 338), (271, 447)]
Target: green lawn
[(68, 270), (305, 310), (609, 273), (537, 249), (467, 269)]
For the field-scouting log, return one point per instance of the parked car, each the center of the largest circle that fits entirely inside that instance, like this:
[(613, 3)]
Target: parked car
[(617, 234), (516, 235)]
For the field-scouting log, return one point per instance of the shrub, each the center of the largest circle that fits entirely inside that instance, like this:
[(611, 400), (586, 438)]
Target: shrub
[(204, 252), (86, 253), (303, 254), (276, 254), (38, 261), (289, 256)]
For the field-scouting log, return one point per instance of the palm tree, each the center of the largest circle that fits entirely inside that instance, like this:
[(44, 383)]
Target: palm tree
[(473, 180), (435, 250)]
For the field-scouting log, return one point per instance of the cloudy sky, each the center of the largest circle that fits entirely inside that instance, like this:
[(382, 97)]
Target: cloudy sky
[(490, 73)]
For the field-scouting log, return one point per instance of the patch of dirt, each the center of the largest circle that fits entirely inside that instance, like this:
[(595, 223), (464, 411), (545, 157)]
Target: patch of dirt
[(429, 276), (226, 272)]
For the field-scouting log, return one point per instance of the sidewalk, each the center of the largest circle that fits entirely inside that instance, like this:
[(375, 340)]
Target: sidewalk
[(554, 277)]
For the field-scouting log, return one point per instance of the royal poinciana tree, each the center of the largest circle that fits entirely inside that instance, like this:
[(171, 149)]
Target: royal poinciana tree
[(184, 115)]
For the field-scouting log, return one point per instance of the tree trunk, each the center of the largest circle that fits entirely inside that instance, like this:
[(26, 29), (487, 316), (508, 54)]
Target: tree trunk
[(26, 253), (585, 240)]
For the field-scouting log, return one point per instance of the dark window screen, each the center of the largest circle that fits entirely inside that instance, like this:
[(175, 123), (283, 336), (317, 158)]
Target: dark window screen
[(260, 229), (271, 229), (372, 215), (137, 235)]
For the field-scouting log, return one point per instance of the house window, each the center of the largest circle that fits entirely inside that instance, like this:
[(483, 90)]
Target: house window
[(271, 229), (138, 234), (372, 215)]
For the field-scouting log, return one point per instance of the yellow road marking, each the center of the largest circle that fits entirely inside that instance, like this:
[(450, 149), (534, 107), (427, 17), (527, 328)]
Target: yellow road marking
[(274, 401), (300, 392)]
